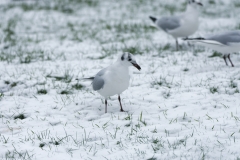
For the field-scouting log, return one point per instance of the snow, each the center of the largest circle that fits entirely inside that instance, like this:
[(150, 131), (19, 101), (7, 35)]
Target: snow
[(181, 105)]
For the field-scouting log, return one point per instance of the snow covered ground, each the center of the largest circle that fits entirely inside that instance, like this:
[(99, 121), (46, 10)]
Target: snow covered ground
[(181, 105)]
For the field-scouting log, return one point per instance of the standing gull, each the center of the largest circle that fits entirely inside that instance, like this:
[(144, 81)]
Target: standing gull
[(224, 43), (182, 25), (115, 78)]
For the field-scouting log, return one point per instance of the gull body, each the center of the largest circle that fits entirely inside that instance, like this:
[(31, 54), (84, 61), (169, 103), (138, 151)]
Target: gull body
[(182, 25), (115, 78), (225, 43)]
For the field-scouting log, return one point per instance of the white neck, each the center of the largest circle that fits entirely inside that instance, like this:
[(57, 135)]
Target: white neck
[(191, 10), (120, 66)]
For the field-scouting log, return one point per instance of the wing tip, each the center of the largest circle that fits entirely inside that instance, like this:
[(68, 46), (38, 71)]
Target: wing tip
[(153, 19), (90, 78), (190, 39)]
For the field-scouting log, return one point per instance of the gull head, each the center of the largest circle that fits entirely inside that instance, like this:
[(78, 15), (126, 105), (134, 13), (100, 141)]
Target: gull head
[(194, 3), (127, 59)]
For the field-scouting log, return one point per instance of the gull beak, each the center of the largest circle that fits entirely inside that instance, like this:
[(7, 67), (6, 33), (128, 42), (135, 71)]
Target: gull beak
[(200, 4), (136, 65)]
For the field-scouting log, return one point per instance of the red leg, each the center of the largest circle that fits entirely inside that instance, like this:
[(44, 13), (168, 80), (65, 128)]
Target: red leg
[(119, 99), (230, 60), (105, 106), (224, 57)]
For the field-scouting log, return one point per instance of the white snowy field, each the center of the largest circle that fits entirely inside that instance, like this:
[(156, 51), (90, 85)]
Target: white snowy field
[(182, 104)]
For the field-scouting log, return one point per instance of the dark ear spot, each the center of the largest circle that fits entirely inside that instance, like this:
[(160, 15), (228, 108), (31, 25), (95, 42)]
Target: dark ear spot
[(122, 58), (191, 1), (129, 57)]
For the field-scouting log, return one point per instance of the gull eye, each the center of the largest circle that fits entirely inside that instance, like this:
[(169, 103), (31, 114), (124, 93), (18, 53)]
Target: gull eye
[(129, 59)]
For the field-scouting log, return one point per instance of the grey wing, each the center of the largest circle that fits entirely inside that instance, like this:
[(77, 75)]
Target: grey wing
[(226, 38), (169, 23), (98, 81)]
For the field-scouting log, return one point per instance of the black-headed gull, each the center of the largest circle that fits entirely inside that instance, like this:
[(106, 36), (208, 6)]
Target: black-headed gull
[(225, 43), (182, 25), (115, 78)]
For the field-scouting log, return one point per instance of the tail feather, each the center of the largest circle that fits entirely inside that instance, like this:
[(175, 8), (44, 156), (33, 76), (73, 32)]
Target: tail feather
[(153, 19), (90, 78), (190, 39), (205, 42)]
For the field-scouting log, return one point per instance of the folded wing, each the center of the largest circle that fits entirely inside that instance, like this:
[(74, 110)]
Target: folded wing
[(98, 81), (169, 23)]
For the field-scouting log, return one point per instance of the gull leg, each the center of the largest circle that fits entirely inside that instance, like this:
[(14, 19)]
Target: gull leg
[(189, 44), (230, 60), (177, 45), (119, 99), (224, 57), (105, 105)]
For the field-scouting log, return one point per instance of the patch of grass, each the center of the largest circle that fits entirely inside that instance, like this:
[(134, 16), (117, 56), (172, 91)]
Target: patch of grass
[(155, 141), (28, 56), (211, 2), (237, 27), (128, 125), (18, 155), (237, 91), (22, 54), (129, 117), (7, 82), (9, 31), (154, 131), (14, 84), (1, 96), (166, 94), (133, 50), (90, 3), (162, 81), (233, 84), (157, 145), (105, 53), (166, 47), (41, 145), (56, 5), (213, 89), (56, 143), (20, 116), (215, 54), (27, 59), (171, 8), (210, 13), (77, 86), (65, 92), (103, 56), (135, 28), (42, 91), (197, 50), (237, 4), (67, 78)]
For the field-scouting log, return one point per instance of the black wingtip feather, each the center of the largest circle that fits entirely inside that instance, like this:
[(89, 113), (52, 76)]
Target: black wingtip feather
[(189, 39), (90, 78), (153, 18)]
